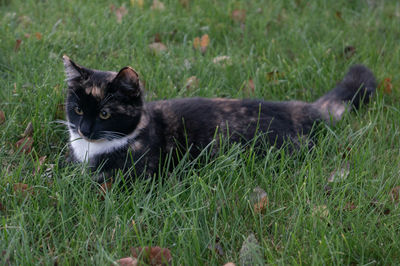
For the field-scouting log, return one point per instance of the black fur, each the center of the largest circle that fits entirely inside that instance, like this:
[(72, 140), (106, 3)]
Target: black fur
[(179, 125)]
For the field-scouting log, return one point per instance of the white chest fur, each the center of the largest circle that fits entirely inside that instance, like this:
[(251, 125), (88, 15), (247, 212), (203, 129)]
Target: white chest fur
[(84, 150)]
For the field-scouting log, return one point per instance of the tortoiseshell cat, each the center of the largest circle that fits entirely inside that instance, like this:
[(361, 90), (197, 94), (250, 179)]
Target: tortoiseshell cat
[(112, 128)]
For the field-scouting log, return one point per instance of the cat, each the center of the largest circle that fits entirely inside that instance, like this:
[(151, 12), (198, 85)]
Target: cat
[(111, 128)]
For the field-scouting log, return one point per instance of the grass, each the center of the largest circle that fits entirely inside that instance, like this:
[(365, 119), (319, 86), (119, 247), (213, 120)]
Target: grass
[(308, 221)]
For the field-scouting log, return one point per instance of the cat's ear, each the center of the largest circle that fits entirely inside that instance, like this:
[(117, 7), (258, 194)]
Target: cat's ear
[(127, 83), (74, 72)]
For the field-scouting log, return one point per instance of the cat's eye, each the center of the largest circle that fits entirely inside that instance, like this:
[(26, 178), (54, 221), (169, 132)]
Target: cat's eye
[(104, 115), (78, 110)]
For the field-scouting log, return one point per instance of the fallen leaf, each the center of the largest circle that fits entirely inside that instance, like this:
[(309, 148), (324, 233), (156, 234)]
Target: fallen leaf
[(138, 3), (349, 51), (127, 261), (386, 85), (152, 255), (395, 194), (223, 60), (120, 13), (157, 37), (28, 132), (17, 45), (192, 83), (250, 253), (158, 47), (238, 15), (184, 3), (321, 211), (23, 189), (350, 206), (249, 87), (5, 258), (340, 174), (38, 35), (217, 247), (60, 111), (259, 199), (25, 144), (196, 43), (204, 42), (338, 15), (105, 187), (2, 117), (158, 5), (274, 75)]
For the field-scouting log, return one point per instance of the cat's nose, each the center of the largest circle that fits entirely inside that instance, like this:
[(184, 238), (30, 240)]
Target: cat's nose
[(85, 131)]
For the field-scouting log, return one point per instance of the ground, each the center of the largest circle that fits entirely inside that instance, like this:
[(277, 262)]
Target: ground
[(335, 204)]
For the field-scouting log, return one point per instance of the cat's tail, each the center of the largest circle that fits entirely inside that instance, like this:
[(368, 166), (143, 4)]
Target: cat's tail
[(357, 87)]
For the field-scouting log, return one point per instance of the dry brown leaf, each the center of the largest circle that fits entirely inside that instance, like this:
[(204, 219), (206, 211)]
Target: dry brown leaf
[(196, 43), (184, 3), (25, 144), (261, 205), (152, 255), (274, 75), (158, 47), (157, 5), (157, 37), (105, 187), (23, 189), (127, 261), (120, 13), (38, 35), (350, 206), (349, 51), (386, 85), (192, 83), (259, 199), (204, 42), (60, 111), (338, 15), (28, 132), (395, 194), (17, 45), (238, 15), (138, 3), (249, 87), (2, 117)]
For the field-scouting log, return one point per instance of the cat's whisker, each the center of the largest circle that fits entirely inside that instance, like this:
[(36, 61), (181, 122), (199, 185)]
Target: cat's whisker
[(111, 135), (63, 122)]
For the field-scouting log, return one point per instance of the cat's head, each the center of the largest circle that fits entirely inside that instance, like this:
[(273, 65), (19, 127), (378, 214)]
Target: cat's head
[(102, 105)]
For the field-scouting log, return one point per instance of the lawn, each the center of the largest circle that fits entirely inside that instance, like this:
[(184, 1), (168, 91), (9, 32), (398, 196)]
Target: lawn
[(334, 204)]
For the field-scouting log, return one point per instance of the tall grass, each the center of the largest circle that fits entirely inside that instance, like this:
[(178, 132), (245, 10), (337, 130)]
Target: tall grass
[(62, 218)]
